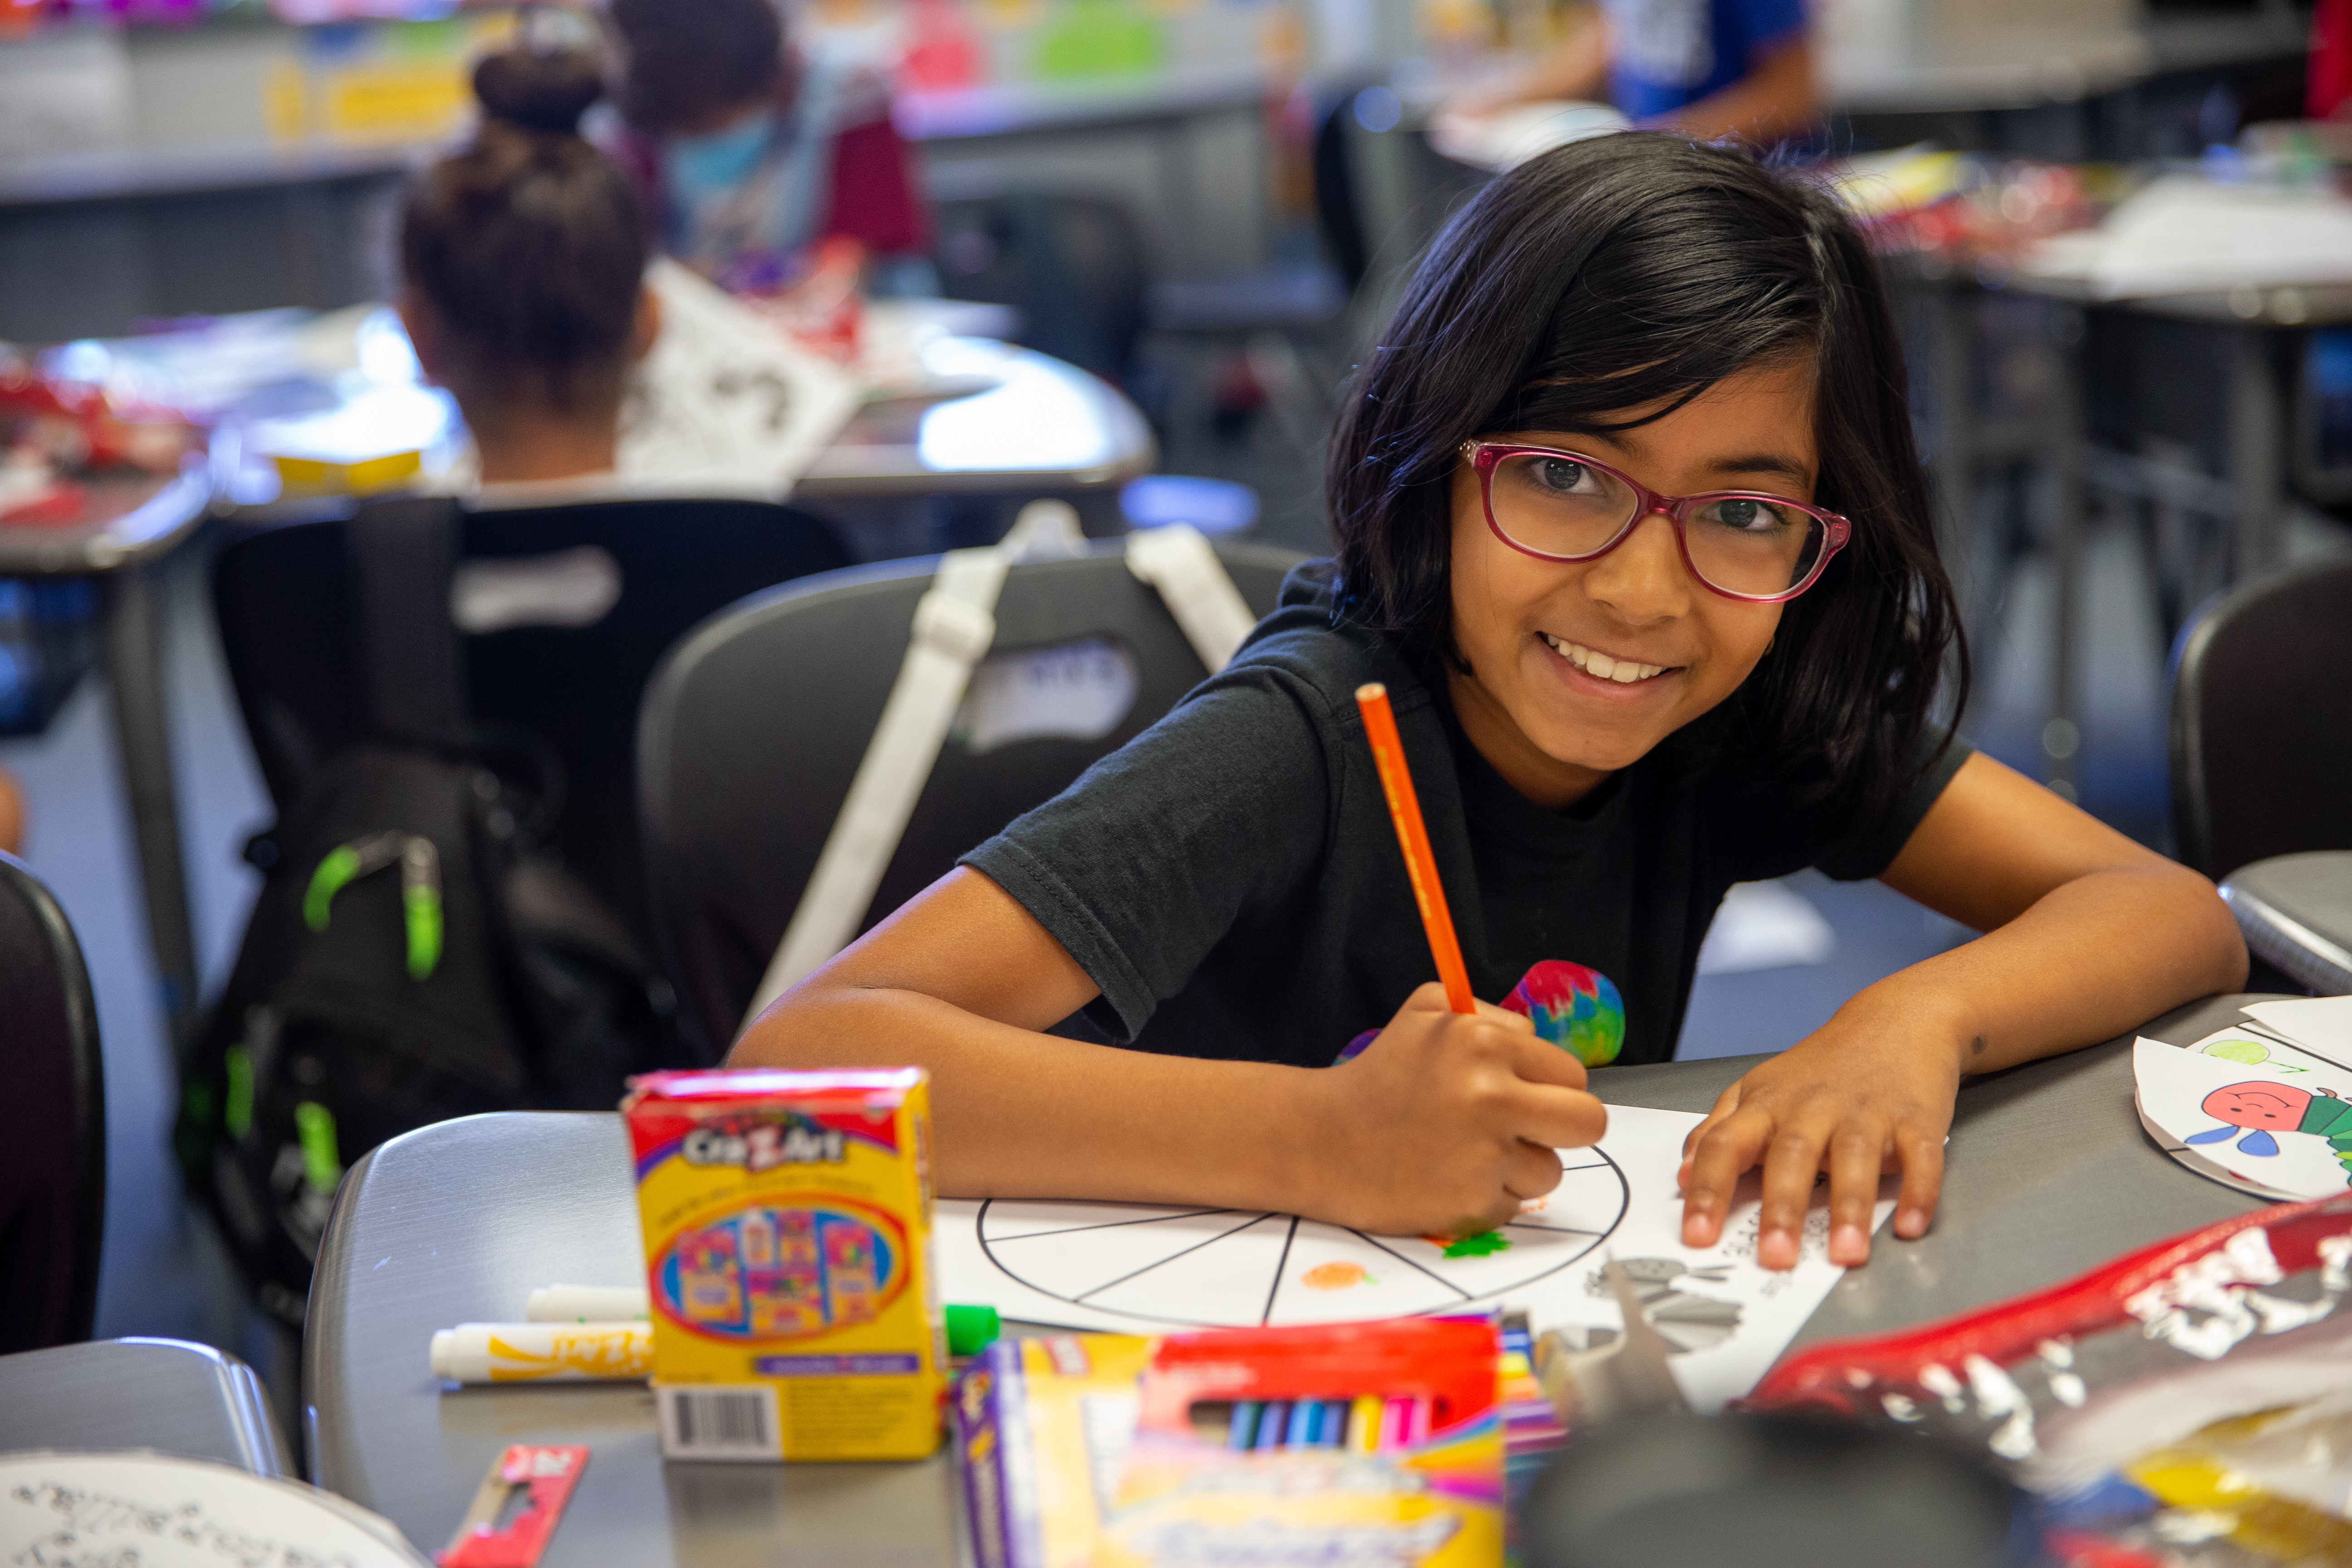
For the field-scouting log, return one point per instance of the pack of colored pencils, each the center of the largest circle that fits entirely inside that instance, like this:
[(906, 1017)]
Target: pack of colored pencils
[(1262, 1444)]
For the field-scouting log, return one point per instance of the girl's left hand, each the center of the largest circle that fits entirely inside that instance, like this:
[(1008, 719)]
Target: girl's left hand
[(1858, 1098)]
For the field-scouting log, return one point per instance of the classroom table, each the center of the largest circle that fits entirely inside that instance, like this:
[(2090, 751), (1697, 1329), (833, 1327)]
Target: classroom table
[(2050, 1174), (2296, 913), (126, 528)]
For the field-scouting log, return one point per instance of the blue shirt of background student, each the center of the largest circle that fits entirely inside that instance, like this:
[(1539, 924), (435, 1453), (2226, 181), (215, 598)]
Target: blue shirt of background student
[(1666, 54)]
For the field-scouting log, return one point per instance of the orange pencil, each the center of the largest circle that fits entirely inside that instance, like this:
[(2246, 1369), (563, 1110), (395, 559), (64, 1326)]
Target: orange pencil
[(1419, 865)]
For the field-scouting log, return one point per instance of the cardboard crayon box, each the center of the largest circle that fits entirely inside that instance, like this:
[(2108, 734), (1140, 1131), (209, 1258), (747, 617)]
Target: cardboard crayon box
[(787, 1228), (1108, 1451)]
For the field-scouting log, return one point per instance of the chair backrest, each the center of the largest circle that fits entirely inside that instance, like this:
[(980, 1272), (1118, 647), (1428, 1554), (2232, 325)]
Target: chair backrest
[(167, 1395), (287, 611), (53, 1165), (2262, 720), (755, 725)]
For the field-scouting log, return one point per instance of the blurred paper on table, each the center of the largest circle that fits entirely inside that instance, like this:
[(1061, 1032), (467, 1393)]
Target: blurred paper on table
[(155, 1512), (724, 402), (2184, 235), (1509, 137)]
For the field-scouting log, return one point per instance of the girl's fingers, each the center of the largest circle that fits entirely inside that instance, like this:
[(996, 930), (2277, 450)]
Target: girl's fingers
[(1530, 1170), (1724, 1104), (1791, 1165), (1537, 1060), (1720, 1155), (1856, 1151), (1559, 1117), (1923, 1181)]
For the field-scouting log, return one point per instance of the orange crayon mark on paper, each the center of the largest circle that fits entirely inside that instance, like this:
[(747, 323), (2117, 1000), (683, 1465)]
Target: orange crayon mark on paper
[(1338, 1275)]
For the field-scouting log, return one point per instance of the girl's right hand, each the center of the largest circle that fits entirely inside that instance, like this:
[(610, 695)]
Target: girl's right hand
[(1447, 1122)]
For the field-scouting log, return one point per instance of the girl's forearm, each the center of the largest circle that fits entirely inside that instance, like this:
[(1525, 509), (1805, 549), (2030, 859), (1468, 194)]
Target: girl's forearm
[(1020, 1114), (2091, 958)]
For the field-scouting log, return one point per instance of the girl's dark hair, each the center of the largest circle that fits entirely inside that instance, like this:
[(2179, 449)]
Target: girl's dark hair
[(528, 248), (1639, 268), (688, 59)]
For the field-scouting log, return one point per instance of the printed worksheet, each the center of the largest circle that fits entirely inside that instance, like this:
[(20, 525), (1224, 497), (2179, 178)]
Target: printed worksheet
[(1131, 1269), (148, 1511)]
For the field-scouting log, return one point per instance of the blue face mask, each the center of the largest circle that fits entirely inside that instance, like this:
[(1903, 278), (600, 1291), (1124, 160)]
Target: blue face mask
[(700, 167)]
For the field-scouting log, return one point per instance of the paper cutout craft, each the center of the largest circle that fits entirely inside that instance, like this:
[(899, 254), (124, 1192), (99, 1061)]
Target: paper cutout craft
[(2279, 1129), (2320, 1025), (2261, 1106), (1134, 1268), (2242, 1048)]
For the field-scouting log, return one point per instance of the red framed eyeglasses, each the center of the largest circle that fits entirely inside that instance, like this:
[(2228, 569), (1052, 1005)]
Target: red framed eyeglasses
[(1563, 506)]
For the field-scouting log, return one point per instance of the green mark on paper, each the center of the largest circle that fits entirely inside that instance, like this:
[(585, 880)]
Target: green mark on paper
[(1479, 1245)]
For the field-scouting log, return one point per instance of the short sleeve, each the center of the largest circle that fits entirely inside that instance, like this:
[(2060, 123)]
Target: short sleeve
[(1868, 853), (1144, 863), (1768, 24)]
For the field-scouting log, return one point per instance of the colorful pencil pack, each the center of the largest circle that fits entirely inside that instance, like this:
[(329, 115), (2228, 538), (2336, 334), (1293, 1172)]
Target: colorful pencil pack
[(787, 1227), (1042, 1427), (1268, 1446)]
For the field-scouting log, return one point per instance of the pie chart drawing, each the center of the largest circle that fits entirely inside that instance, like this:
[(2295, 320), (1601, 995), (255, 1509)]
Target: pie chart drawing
[(1217, 1267)]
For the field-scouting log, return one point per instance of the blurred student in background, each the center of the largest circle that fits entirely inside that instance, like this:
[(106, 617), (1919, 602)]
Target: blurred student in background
[(748, 152), (1708, 68), (523, 262)]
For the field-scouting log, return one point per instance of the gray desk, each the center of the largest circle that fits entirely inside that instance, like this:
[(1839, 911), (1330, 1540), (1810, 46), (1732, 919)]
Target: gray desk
[(130, 525), (2050, 1174), (2296, 913)]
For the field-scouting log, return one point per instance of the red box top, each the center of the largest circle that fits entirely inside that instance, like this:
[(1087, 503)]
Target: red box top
[(736, 1086)]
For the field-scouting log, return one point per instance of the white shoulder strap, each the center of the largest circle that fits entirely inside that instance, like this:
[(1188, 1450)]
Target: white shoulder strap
[(955, 623), (1192, 583)]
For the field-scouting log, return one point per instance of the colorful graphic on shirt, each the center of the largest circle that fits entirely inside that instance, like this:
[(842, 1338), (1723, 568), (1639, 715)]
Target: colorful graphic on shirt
[(2259, 1109), (1575, 1008)]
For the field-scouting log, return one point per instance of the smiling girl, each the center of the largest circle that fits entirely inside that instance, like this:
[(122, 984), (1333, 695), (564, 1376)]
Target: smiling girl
[(1631, 526)]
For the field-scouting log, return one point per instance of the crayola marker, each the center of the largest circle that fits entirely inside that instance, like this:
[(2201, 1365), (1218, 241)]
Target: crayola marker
[(1270, 1424), (1364, 1425), (1245, 1424)]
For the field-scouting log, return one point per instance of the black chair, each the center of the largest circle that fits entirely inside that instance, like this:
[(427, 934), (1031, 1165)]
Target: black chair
[(286, 606), (2262, 721), (755, 725), (53, 1175)]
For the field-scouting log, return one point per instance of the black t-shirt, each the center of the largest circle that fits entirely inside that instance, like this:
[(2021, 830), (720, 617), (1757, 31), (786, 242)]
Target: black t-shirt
[(1231, 880)]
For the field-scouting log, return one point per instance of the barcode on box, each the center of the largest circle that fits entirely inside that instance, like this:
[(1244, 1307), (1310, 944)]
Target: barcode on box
[(704, 1423)]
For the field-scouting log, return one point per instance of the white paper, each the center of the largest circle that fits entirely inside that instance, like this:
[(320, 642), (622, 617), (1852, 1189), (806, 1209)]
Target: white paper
[(2238, 1121), (724, 401), (2186, 235), (2320, 1025), (1133, 1269), (155, 1512)]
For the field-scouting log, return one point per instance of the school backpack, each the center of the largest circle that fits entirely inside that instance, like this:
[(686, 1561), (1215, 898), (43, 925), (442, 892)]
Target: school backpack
[(413, 954)]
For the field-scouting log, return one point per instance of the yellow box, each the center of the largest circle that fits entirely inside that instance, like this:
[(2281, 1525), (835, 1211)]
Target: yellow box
[(787, 1220)]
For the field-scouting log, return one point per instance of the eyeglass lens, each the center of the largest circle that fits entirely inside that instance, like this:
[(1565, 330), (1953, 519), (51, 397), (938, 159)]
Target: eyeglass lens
[(1744, 545)]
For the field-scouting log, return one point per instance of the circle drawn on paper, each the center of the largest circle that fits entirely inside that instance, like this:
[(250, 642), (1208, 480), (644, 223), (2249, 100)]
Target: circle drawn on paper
[(1213, 1268)]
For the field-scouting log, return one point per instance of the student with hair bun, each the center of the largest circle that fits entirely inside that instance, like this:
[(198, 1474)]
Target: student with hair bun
[(523, 262), (748, 152)]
